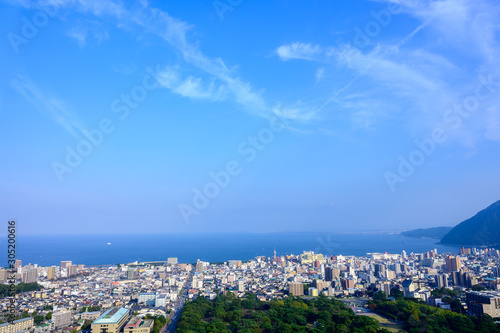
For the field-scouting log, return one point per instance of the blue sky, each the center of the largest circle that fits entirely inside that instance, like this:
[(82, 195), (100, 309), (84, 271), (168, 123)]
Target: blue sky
[(247, 116)]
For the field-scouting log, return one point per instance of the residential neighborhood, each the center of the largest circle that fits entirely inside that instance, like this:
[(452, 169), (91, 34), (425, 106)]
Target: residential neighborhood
[(130, 298)]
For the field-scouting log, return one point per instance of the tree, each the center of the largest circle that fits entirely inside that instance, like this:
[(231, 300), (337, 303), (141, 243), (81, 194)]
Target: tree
[(86, 325), (379, 296), (478, 287), (38, 319), (397, 294), (48, 316)]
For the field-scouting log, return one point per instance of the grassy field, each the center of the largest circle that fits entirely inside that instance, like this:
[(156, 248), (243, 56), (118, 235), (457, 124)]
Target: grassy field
[(385, 323)]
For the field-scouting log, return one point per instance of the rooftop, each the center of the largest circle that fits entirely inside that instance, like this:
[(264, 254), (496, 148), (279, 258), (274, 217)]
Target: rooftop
[(112, 316), (15, 321), (134, 322)]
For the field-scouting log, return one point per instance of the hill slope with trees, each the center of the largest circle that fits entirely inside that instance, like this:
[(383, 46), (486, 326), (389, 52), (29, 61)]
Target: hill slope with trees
[(481, 229)]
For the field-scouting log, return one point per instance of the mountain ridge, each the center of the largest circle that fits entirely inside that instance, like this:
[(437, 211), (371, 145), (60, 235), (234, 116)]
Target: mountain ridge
[(482, 229), (436, 232)]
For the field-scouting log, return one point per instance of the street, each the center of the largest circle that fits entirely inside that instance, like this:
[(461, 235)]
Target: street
[(179, 304)]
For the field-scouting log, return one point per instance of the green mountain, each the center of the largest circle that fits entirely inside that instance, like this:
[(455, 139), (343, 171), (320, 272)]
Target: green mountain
[(437, 232), (481, 229)]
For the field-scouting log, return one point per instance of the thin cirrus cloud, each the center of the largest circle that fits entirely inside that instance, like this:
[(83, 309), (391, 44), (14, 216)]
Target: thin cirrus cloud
[(386, 73), (52, 107), (469, 25), (419, 84), (298, 50), (220, 83), (190, 86), (88, 30)]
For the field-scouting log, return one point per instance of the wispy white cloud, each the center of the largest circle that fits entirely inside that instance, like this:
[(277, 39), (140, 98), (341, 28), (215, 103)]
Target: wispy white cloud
[(94, 7), (421, 79), (298, 50), (221, 83), (401, 76), (298, 111), (470, 25), (190, 86), (82, 32), (174, 31), (319, 74), (390, 71), (52, 107), (79, 35)]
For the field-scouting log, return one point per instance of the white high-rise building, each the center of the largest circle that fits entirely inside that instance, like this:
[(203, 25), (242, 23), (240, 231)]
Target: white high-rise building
[(61, 319)]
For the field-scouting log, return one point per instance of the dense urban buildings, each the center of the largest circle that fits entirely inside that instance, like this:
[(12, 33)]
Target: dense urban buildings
[(112, 299)]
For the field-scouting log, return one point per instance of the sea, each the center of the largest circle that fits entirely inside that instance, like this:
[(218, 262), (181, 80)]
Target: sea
[(48, 250)]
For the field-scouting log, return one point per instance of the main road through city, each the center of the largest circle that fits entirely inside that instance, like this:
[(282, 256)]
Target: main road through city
[(174, 319)]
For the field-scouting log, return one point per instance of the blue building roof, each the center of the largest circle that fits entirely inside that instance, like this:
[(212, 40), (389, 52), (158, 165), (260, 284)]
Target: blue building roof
[(112, 316), (407, 283)]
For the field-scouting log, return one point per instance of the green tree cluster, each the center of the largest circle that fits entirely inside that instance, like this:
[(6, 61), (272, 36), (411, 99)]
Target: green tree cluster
[(20, 288), (419, 317), (86, 325), (91, 308), (248, 315), (159, 322)]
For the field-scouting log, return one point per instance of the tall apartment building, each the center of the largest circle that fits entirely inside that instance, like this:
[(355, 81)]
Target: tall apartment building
[(386, 288), (51, 273), (456, 278), (464, 279), (479, 303), (20, 325), (18, 264), (441, 280), (296, 288), (200, 266), (320, 284), (65, 264), (61, 319), (347, 283), (465, 251), (379, 270), (111, 321), (30, 275), (331, 273), (72, 269), (496, 271), (453, 263)]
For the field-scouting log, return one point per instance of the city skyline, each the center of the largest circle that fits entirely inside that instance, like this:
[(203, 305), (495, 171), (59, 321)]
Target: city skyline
[(128, 117)]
